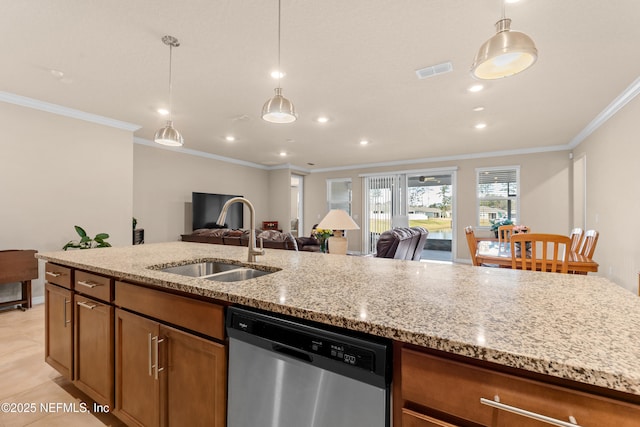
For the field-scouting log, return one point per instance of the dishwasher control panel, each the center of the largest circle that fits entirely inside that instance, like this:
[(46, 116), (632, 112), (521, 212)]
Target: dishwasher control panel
[(308, 341)]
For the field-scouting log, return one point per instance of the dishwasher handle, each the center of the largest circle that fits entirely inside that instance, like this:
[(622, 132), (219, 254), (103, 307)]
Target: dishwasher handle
[(292, 352)]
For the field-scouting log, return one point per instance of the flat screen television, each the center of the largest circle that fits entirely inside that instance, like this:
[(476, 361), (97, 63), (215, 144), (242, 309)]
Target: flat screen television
[(206, 209)]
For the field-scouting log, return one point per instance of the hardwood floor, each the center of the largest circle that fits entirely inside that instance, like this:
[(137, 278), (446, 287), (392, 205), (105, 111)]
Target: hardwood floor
[(28, 383)]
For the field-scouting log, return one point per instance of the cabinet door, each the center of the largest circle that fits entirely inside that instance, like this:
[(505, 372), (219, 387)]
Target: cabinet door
[(59, 329), (93, 355), (137, 390), (193, 378)]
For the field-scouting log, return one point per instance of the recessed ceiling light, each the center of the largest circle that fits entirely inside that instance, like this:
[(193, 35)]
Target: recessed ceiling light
[(480, 126), (163, 111), (322, 119), (364, 142), (230, 138), (283, 153), (278, 74), (478, 109), (476, 88)]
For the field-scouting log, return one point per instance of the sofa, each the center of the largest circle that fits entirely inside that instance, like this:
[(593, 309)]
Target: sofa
[(402, 243), (272, 239)]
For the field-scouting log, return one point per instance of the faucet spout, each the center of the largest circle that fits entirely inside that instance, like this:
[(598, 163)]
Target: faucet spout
[(253, 251)]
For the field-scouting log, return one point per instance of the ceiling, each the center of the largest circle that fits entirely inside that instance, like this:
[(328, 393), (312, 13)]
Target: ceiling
[(352, 61)]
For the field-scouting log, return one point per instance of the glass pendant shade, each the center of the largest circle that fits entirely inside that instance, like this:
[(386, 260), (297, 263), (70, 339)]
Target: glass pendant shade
[(168, 135), (279, 109), (505, 54)]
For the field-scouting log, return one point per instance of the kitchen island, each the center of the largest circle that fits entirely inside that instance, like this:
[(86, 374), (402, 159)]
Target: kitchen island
[(580, 329)]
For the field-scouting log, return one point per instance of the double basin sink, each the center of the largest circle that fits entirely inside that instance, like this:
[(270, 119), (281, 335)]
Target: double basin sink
[(219, 271)]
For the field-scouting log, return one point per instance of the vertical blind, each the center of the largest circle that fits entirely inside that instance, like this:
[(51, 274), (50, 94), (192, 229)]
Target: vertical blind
[(384, 199)]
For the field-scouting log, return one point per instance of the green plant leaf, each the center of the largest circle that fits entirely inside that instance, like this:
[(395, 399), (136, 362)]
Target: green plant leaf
[(101, 236), (80, 231), (85, 239)]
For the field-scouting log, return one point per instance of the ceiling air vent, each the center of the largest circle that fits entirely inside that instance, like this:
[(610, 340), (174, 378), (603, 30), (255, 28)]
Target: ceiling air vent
[(434, 70)]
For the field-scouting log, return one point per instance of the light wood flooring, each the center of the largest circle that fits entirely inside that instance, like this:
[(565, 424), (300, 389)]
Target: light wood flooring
[(25, 378)]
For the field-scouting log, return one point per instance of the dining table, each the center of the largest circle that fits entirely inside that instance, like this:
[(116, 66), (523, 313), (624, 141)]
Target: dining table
[(492, 252)]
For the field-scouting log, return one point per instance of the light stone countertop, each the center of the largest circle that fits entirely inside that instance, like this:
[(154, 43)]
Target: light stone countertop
[(582, 328)]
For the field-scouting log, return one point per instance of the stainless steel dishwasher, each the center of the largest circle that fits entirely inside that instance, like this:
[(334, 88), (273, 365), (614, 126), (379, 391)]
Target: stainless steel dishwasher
[(287, 373)]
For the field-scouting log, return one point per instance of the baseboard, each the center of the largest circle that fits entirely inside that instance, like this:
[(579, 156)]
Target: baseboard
[(37, 300)]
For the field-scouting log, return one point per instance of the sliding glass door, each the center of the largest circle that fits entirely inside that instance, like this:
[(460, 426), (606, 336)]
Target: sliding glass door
[(409, 199)]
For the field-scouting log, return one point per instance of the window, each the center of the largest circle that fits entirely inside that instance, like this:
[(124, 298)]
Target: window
[(339, 194), (498, 191)]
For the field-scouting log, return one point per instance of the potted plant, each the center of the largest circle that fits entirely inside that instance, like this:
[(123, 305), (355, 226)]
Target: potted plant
[(496, 223), (86, 242)]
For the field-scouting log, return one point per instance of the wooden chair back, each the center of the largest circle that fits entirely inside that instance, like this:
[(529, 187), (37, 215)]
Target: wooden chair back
[(473, 244), (588, 246), (504, 234), (542, 252), (576, 239)]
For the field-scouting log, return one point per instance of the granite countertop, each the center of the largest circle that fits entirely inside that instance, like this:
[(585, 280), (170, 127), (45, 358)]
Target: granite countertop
[(582, 328)]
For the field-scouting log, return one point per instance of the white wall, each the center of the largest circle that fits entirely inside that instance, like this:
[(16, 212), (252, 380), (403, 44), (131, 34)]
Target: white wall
[(613, 194), (57, 172), (164, 180)]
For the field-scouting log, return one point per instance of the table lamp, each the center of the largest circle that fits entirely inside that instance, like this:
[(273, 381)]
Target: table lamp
[(338, 220)]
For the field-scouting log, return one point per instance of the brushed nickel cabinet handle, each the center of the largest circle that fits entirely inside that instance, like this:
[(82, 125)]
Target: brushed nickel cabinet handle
[(87, 305), (157, 348), (88, 284), (150, 355), (495, 403), (53, 274), (66, 301)]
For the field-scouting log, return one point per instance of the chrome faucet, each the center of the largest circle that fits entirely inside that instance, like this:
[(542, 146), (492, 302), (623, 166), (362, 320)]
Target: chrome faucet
[(253, 251)]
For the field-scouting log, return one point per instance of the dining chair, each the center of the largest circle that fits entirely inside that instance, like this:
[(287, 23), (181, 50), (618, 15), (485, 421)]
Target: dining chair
[(542, 252), (504, 234), (473, 244), (588, 246), (576, 239)]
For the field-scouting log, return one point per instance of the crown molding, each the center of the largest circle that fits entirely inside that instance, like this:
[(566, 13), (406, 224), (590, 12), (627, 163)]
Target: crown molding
[(623, 99), (36, 104), (448, 158), (198, 153)]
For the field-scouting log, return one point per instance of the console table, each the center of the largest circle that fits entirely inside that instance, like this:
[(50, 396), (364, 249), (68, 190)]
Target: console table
[(18, 266)]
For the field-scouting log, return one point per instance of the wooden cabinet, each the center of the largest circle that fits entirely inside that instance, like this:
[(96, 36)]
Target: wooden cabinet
[(431, 389), (193, 380), (167, 376), (93, 349), (137, 389), (59, 329)]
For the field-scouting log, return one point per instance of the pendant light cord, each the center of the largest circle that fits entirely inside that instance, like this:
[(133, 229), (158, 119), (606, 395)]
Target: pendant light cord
[(279, 19), (170, 85)]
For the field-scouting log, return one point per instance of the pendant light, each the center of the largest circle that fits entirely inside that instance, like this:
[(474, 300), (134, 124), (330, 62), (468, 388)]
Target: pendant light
[(169, 135), (505, 54), (279, 109)]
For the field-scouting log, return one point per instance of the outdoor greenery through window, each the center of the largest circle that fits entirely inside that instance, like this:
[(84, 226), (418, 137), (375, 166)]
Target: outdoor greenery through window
[(497, 192)]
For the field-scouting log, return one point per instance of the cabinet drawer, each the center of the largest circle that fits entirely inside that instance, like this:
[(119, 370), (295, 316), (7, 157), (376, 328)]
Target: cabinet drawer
[(415, 419), (59, 275), (456, 388), (199, 316), (93, 285)]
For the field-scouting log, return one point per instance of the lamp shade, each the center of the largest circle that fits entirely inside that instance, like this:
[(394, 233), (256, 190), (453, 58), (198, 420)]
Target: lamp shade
[(168, 135), (338, 219), (279, 109), (505, 54)]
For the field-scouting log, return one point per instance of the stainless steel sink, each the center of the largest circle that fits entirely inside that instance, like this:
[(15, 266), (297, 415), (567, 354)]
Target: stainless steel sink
[(200, 269), (237, 275), (216, 270)]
